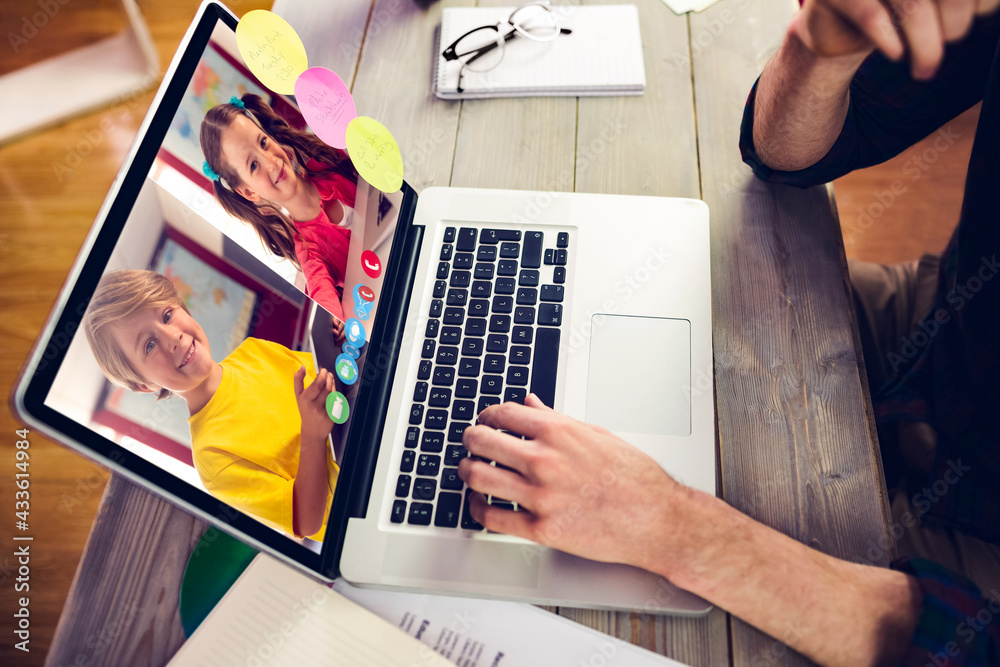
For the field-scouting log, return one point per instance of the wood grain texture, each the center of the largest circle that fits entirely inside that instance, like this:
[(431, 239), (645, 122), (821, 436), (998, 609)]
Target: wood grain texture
[(123, 609), (394, 86), (646, 145), (795, 434), (516, 143)]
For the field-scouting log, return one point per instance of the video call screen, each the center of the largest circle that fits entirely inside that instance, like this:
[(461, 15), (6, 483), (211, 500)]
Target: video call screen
[(239, 305)]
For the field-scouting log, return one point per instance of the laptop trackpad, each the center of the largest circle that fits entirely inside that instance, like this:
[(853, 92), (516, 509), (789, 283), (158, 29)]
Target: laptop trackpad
[(640, 375)]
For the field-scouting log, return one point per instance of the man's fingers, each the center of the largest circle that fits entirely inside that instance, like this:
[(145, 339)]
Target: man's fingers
[(500, 520), (956, 18), (920, 23), (533, 401), (492, 480), (873, 20), (491, 444), (986, 6), (523, 419)]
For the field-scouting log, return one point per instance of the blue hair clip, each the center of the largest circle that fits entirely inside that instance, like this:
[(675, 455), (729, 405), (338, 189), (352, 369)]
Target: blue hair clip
[(237, 102), (209, 172)]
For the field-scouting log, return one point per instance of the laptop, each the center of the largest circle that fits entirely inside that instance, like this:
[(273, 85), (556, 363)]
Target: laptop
[(453, 300)]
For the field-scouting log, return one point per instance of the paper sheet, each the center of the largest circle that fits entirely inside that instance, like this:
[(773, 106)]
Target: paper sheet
[(684, 6), (491, 633), (273, 615)]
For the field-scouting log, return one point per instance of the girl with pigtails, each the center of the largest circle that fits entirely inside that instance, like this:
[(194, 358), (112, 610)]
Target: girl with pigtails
[(293, 189)]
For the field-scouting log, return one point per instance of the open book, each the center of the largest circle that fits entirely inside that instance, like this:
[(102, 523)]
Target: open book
[(601, 56), (274, 615)]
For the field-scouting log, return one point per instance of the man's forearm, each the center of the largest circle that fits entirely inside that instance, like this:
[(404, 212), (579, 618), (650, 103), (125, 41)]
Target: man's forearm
[(833, 611), (801, 104)]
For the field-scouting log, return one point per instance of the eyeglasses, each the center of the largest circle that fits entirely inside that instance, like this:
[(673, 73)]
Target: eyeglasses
[(482, 49)]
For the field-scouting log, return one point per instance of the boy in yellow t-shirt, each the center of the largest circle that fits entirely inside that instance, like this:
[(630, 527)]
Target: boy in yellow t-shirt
[(258, 421)]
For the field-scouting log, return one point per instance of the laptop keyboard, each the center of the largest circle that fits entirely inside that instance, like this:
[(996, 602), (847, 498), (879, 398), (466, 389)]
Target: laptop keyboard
[(492, 335)]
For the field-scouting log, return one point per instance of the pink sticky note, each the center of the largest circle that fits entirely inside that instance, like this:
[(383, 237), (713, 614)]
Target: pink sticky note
[(326, 104)]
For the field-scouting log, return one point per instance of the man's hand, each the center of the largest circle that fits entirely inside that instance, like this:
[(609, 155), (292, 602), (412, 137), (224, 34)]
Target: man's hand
[(316, 423), (919, 28), (585, 491)]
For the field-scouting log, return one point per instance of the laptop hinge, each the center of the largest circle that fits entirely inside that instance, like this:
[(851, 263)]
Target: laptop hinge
[(350, 498)]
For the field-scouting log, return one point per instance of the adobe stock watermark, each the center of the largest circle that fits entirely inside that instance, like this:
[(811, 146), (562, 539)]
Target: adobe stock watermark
[(712, 30), (589, 493), (302, 611), (604, 652), (703, 380), (32, 24), (98, 643), (86, 487), (91, 139), (625, 288), (913, 169), (451, 641), (778, 649), (425, 147), (611, 131), (967, 630), (922, 501), (958, 297), (60, 341), (350, 44)]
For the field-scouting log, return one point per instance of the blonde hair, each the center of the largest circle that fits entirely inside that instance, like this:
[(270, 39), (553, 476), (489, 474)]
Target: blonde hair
[(119, 295)]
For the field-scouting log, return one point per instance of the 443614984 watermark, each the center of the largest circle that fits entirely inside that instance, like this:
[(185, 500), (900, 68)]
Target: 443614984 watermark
[(22, 552)]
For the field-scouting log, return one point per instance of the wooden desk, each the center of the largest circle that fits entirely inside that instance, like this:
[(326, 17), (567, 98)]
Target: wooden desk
[(796, 439)]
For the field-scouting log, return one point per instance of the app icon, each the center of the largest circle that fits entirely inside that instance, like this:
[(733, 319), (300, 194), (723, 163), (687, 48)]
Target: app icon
[(347, 370), (371, 264), (362, 310), (350, 350), (337, 408), (363, 293), (355, 332)]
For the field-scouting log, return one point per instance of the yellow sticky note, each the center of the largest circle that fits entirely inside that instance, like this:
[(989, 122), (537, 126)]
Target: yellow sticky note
[(271, 50), (375, 154)]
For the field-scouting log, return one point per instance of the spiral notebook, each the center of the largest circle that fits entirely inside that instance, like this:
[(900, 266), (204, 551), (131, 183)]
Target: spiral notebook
[(601, 56)]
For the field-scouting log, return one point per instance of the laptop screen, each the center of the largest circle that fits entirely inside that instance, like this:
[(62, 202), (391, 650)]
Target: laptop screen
[(238, 262)]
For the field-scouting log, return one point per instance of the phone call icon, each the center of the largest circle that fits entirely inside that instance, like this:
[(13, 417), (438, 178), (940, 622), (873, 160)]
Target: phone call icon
[(371, 264)]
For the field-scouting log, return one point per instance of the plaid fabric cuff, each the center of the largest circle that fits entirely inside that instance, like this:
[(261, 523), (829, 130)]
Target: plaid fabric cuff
[(958, 627)]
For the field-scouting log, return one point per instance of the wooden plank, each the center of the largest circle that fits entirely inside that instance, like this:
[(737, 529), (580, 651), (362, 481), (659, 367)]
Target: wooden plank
[(334, 35), (646, 145), (796, 436), (394, 82), (123, 606), (516, 143)]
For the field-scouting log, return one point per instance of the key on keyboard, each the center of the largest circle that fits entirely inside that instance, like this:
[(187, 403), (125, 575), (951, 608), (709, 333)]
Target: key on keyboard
[(492, 335)]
